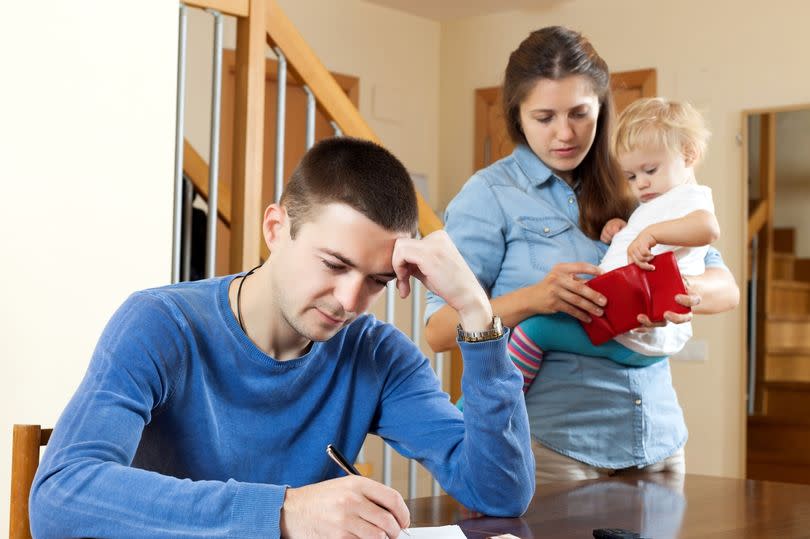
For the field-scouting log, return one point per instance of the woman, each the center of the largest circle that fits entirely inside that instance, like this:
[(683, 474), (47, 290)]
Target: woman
[(529, 227)]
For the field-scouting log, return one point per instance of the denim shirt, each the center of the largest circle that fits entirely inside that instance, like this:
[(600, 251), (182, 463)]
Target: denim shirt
[(512, 222)]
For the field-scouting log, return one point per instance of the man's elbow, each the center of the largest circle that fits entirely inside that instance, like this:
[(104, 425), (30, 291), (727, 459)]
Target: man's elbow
[(41, 510)]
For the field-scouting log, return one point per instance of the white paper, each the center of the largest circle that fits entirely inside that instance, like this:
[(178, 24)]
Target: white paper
[(434, 532)]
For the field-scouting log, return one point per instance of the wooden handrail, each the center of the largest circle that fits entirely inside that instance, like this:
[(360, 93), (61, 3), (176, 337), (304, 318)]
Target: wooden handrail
[(237, 8), (304, 63), (757, 219)]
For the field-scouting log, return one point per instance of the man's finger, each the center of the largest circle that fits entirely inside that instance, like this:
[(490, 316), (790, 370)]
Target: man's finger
[(389, 499)]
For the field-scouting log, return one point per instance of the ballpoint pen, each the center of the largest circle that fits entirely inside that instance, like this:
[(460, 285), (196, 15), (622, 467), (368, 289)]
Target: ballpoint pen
[(346, 466)]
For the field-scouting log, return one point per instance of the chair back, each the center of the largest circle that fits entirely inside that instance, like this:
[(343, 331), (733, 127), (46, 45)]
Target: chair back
[(26, 441)]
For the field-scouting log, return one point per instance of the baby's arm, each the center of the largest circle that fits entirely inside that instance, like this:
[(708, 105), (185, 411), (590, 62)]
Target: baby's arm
[(611, 228), (694, 229)]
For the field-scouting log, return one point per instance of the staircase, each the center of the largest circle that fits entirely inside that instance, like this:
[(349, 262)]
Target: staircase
[(779, 433)]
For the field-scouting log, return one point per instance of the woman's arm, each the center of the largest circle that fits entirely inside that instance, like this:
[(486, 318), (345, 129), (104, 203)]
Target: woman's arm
[(560, 291), (714, 291)]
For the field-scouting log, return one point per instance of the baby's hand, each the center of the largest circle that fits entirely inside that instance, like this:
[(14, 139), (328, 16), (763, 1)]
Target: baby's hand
[(640, 250), (611, 228)]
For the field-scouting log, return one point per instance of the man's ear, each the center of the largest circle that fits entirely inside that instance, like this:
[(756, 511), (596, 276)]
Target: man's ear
[(276, 225)]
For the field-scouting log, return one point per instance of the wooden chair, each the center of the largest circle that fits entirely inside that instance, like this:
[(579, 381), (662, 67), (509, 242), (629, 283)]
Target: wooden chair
[(26, 441)]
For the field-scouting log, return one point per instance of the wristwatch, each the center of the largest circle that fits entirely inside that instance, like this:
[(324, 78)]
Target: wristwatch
[(496, 332)]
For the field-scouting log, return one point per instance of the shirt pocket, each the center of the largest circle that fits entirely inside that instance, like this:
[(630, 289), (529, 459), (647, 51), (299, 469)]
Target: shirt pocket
[(548, 239)]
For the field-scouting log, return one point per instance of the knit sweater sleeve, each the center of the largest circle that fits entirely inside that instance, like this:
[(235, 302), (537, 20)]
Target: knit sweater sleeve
[(85, 485), (482, 458)]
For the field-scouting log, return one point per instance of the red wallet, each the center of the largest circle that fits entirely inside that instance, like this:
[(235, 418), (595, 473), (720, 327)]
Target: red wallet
[(631, 291)]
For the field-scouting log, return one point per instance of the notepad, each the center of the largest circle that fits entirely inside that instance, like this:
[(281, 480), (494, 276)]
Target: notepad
[(434, 532)]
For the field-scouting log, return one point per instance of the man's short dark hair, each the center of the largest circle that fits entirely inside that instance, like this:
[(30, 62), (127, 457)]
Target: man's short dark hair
[(359, 173)]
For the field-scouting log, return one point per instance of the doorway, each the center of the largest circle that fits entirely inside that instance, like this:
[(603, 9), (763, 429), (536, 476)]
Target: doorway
[(777, 174)]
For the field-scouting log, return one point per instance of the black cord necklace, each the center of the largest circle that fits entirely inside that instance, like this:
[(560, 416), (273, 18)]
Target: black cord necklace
[(239, 297)]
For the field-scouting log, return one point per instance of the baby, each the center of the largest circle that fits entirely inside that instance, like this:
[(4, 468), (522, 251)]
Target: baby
[(657, 143)]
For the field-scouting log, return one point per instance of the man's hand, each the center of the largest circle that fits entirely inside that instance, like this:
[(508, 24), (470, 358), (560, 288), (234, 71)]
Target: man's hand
[(351, 506), (640, 250), (611, 228), (436, 262)]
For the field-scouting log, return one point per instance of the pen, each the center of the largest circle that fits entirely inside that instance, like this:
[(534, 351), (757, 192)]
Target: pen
[(340, 460), (346, 466)]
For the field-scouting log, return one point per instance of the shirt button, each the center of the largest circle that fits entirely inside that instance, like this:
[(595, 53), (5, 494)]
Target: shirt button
[(546, 230), (570, 200), (638, 402)]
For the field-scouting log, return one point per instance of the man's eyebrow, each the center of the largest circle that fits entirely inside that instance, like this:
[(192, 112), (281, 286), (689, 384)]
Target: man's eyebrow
[(351, 264)]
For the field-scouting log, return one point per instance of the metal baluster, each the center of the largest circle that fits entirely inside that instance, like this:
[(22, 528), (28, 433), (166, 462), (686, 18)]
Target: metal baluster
[(416, 335), (336, 128), (436, 489), (310, 117), (213, 159), (188, 211), (390, 299), (281, 110), (177, 223), (752, 324)]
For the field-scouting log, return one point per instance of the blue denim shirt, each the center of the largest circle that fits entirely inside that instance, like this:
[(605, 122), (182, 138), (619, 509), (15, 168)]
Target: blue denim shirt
[(512, 222)]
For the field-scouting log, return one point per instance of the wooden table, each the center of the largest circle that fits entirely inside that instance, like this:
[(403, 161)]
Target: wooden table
[(660, 507)]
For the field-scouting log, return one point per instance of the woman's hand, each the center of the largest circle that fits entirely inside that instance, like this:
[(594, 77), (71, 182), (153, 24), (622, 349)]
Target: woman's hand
[(690, 299), (562, 290)]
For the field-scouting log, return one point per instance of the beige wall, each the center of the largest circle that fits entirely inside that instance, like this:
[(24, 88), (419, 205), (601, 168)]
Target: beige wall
[(723, 56), (86, 153)]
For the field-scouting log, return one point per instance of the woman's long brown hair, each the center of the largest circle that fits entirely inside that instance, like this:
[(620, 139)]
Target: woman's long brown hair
[(554, 53)]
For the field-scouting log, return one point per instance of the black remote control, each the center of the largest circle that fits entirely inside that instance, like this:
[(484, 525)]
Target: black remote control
[(615, 533)]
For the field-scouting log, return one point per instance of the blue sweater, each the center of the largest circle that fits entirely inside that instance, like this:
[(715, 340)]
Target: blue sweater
[(182, 427)]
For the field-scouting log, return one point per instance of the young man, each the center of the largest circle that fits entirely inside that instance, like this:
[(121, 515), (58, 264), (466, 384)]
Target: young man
[(207, 406)]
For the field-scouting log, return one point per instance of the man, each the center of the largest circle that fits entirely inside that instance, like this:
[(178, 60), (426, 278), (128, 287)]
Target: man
[(207, 406)]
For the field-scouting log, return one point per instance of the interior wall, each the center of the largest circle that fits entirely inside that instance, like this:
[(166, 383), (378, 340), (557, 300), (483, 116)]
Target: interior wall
[(86, 146), (747, 65), (792, 202), (399, 81)]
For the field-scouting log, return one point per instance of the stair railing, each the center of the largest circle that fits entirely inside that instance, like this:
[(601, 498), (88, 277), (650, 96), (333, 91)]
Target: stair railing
[(261, 23)]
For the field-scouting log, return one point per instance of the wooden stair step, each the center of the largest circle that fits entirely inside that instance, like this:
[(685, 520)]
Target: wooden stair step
[(790, 284), (789, 401), (784, 266), (787, 364), (784, 240), (801, 269), (789, 297), (787, 331)]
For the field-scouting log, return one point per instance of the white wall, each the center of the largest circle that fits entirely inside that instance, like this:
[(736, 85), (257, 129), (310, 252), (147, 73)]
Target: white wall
[(86, 168), (724, 56)]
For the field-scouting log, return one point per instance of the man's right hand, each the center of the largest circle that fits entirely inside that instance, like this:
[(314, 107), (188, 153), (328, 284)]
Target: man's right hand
[(351, 506)]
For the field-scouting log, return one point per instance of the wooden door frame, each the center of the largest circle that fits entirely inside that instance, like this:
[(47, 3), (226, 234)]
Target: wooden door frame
[(745, 141)]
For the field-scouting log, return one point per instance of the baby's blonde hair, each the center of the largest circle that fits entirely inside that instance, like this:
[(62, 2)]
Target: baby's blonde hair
[(656, 122)]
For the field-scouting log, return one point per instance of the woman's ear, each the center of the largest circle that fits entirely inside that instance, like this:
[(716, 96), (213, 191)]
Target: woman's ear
[(276, 225)]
